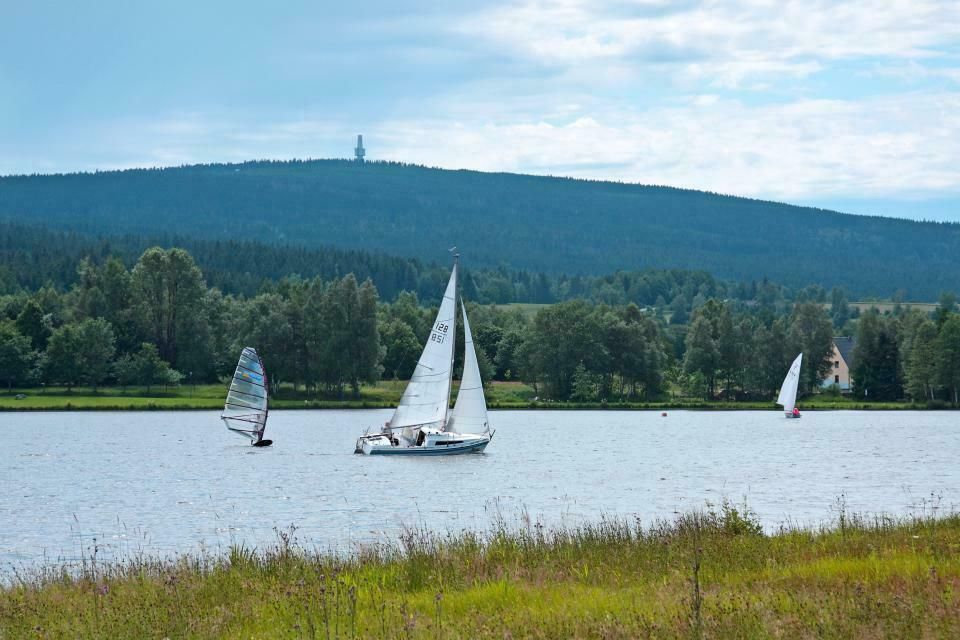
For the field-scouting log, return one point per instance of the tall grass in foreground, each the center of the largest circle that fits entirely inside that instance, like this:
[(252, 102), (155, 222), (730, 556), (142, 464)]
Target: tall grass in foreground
[(702, 575)]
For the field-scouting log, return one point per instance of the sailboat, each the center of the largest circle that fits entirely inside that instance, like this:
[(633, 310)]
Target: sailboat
[(245, 411), (788, 390), (420, 424)]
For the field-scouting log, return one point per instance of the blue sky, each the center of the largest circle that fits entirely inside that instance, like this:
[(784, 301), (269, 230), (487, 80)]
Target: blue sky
[(848, 105)]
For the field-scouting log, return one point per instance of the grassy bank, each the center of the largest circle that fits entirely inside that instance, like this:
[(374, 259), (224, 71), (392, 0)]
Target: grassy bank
[(386, 394), (703, 575), (187, 397)]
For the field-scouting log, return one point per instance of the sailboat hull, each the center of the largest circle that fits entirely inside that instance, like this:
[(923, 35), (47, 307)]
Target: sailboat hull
[(437, 444), (263, 443), (445, 450)]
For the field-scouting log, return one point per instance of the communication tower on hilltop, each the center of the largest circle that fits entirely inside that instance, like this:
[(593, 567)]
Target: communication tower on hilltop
[(360, 152)]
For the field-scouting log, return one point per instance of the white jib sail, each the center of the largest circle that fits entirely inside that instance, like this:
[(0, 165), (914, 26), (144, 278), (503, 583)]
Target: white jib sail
[(788, 390), (245, 411), (470, 411), (427, 397)]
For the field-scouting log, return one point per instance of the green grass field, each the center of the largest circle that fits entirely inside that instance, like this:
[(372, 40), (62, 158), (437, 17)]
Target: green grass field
[(888, 307), (386, 394), (211, 396), (529, 309), (706, 575)]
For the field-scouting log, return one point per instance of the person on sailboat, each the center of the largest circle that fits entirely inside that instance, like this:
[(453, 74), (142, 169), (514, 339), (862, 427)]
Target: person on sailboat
[(796, 412)]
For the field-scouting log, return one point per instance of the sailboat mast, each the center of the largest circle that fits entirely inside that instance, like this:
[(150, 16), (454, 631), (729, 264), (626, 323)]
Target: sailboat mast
[(266, 402), (453, 352)]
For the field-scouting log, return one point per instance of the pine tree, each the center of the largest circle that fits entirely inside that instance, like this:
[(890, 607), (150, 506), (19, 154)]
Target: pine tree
[(948, 356), (97, 346), (921, 366), (702, 355), (369, 354), (811, 333), (16, 355), (169, 288), (584, 384), (32, 323)]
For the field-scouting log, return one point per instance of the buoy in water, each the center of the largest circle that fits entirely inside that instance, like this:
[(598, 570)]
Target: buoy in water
[(664, 414)]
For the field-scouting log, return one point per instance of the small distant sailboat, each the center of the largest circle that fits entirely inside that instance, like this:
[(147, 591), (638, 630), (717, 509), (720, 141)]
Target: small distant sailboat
[(420, 424), (788, 390), (245, 411)]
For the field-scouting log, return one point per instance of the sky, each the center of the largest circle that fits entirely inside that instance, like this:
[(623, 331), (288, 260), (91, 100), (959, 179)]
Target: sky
[(849, 105)]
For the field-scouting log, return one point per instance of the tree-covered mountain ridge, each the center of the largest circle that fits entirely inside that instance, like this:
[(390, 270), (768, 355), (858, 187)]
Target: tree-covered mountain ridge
[(536, 223), (33, 257)]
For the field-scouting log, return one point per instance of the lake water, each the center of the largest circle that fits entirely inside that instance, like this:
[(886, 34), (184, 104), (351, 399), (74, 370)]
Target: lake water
[(162, 482)]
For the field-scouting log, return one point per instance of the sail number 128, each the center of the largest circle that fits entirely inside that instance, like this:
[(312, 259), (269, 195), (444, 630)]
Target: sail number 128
[(439, 332)]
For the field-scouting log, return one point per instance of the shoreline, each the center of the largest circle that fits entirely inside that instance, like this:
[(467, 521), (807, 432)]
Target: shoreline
[(143, 403), (502, 396)]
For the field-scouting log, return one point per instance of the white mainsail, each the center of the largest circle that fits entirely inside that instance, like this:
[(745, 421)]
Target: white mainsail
[(788, 390), (426, 400), (245, 411), (470, 411)]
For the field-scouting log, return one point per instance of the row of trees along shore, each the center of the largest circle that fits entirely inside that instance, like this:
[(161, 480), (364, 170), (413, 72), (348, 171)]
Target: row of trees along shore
[(159, 323)]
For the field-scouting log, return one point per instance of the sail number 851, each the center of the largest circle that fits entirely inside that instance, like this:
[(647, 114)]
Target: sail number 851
[(439, 332)]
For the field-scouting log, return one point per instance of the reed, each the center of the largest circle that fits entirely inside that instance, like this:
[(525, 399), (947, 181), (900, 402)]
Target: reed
[(708, 574)]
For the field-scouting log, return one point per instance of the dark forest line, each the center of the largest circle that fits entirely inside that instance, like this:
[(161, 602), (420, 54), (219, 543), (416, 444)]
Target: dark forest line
[(158, 322), (528, 223), (33, 256)]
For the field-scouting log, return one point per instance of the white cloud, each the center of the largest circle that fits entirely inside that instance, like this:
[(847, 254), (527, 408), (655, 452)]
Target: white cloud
[(913, 71), (848, 99), (724, 42), (810, 147)]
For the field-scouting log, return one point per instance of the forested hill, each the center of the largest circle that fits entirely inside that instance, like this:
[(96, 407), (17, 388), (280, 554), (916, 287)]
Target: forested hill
[(32, 257), (554, 225)]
